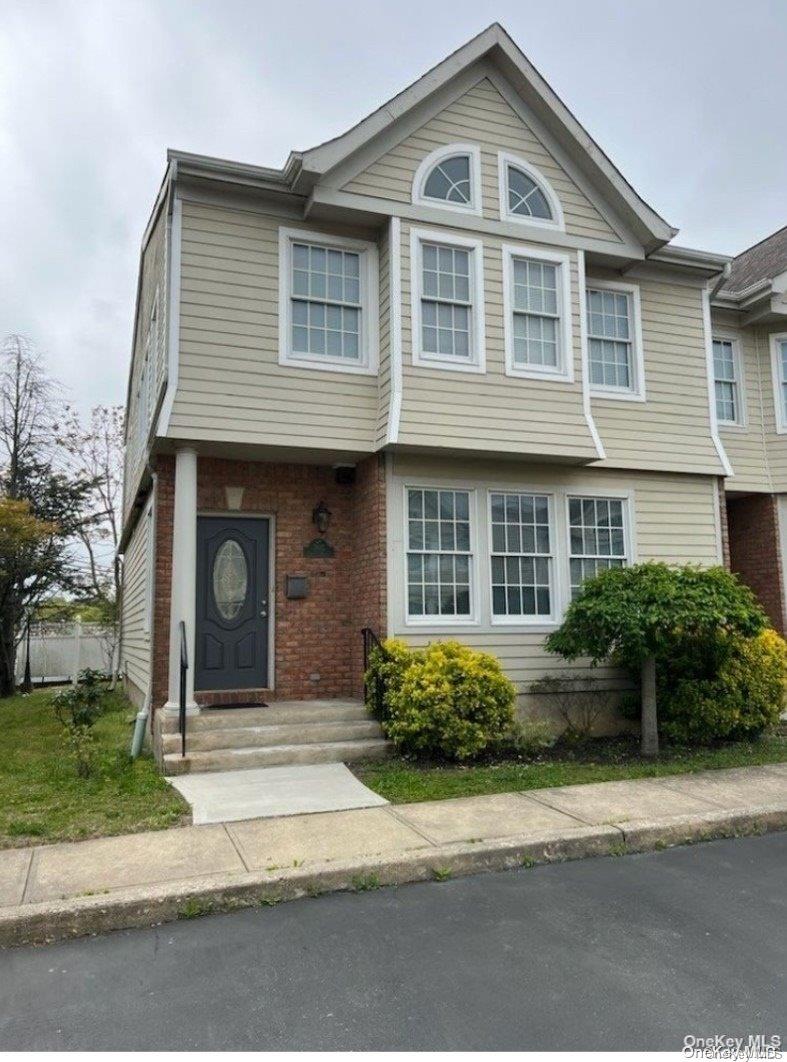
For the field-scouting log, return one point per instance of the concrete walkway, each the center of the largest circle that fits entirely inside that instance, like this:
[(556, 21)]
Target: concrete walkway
[(69, 889), (268, 792)]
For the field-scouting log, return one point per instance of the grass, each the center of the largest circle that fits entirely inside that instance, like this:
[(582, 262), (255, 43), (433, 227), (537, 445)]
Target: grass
[(41, 798), (404, 782)]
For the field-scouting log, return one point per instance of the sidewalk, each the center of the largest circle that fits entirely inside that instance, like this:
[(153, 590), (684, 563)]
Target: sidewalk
[(56, 891)]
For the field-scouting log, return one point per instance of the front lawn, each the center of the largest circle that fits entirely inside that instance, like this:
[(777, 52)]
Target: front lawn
[(405, 782), (43, 800)]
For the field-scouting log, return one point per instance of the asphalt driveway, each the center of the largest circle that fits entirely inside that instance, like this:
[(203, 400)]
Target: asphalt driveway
[(629, 952)]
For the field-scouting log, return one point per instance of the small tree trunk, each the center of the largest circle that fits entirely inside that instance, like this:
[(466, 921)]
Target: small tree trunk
[(650, 732)]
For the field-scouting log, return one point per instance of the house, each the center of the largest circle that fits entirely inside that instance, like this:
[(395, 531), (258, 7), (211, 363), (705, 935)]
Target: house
[(424, 380)]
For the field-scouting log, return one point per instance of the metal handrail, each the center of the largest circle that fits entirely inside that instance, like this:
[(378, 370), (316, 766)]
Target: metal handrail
[(373, 691), (184, 666)]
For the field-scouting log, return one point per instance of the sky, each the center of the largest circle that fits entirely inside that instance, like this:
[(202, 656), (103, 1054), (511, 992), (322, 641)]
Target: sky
[(687, 98)]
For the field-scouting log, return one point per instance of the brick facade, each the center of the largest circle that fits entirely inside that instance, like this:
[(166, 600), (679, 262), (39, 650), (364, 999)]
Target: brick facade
[(317, 640), (755, 554), (724, 523)]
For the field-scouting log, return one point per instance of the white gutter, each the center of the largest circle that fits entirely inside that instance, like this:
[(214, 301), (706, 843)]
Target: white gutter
[(583, 348), (395, 328), (714, 425)]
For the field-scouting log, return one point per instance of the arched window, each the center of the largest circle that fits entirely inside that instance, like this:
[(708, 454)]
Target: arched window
[(449, 177), (525, 194)]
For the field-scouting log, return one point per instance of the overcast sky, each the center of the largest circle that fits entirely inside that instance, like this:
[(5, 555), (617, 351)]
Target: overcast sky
[(688, 98)]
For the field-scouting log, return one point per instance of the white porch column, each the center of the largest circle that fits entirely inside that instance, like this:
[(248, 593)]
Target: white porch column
[(184, 577)]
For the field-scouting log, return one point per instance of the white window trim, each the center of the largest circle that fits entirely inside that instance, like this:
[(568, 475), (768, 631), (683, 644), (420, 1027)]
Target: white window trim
[(433, 159), (565, 371), (637, 392), (442, 621), (555, 588), (481, 618), (477, 362), (629, 538), (504, 160), (740, 386), (780, 413), (369, 299)]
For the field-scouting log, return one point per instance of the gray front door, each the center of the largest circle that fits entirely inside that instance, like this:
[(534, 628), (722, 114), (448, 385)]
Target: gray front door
[(232, 603)]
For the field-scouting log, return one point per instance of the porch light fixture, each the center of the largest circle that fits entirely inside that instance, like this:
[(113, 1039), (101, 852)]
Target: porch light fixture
[(321, 517)]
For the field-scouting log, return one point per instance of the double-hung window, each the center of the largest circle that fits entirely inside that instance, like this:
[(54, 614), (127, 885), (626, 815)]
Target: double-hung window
[(521, 556), (447, 302), (537, 319), (614, 340), (597, 537), (726, 379), (327, 299), (779, 368), (439, 555)]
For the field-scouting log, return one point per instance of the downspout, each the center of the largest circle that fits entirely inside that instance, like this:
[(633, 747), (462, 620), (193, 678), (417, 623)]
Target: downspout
[(141, 722)]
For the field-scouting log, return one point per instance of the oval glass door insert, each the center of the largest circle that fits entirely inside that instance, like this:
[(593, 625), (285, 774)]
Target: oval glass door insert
[(230, 579)]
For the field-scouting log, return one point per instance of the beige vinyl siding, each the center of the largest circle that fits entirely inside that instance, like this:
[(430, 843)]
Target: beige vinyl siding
[(153, 267), (231, 387), (484, 117), (384, 372), (775, 443), (675, 521), (135, 648), (491, 411), (745, 444), (671, 430)]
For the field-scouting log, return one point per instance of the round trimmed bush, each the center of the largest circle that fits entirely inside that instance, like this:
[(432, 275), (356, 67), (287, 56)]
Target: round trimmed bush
[(446, 700), (731, 689)]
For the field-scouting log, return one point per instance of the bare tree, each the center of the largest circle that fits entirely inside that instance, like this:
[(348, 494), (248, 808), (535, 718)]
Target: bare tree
[(29, 474), (95, 450)]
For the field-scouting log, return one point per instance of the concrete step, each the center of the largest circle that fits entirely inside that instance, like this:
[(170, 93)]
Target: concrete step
[(277, 713), (309, 733), (276, 755)]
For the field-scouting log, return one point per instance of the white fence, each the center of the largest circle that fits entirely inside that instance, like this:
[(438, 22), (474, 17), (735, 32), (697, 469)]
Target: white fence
[(59, 651)]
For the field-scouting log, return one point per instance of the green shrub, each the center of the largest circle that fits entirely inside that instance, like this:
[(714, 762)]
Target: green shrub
[(445, 700), (387, 665), (730, 688)]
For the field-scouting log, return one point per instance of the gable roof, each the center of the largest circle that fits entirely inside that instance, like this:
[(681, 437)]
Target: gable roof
[(494, 45), (762, 261)]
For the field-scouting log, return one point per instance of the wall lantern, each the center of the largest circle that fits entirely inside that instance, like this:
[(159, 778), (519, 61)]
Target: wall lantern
[(321, 516)]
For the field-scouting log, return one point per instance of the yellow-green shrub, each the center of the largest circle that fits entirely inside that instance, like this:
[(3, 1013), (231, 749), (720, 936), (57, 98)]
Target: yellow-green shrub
[(446, 700), (732, 690)]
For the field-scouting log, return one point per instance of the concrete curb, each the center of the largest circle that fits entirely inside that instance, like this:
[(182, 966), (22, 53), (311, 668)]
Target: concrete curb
[(147, 905)]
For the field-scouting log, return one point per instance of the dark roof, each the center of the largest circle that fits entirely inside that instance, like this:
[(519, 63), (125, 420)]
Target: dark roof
[(764, 260)]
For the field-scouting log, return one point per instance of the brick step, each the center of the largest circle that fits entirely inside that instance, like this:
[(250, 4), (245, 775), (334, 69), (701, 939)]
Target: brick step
[(309, 733), (277, 713), (276, 755)]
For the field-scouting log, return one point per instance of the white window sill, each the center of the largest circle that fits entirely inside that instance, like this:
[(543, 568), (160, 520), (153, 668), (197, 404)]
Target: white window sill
[(732, 425), (617, 396), (552, 376), (537, 625), (428, 361), (435, 623), (326, 364)]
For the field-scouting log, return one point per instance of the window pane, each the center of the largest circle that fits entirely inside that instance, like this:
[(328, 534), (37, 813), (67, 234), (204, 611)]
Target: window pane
[(326, 315), (450, 180), (438, 558), (596, 537), (726, 381), (525, 197), (521, 561), (609, 334)]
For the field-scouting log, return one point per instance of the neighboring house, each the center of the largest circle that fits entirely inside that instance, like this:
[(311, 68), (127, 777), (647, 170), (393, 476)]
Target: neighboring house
[(460, 331), (749, 320)]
